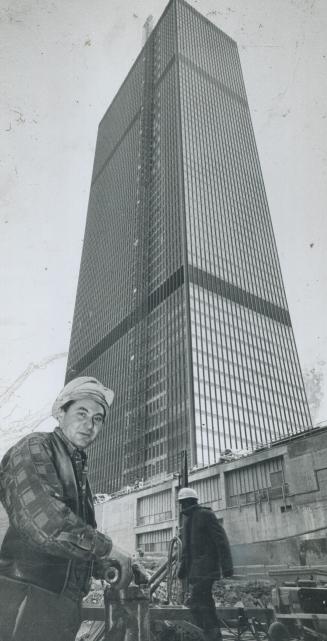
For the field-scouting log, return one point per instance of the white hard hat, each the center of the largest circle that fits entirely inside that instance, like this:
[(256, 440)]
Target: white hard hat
[(187, 493)]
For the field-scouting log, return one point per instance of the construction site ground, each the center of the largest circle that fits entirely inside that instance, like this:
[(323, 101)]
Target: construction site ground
[(239, 591), (227, 592)]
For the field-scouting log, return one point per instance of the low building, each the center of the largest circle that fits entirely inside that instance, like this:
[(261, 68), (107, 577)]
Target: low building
[(271, 503)]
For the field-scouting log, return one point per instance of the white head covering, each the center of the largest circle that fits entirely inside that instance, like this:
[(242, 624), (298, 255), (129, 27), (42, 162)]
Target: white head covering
[(83, 387)]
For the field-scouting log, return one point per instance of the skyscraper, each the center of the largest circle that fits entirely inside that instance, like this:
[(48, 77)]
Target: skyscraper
[(180, 305)]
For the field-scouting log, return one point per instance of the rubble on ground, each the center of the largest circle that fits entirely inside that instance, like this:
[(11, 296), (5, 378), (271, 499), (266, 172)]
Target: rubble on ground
[(227, 593), (252, 594)]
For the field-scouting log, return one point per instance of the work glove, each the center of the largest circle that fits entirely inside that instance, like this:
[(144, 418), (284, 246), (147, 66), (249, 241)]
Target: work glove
[(116, 568), (141, 575)]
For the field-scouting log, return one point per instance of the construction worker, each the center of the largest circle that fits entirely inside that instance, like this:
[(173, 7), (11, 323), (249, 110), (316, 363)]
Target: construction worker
[(52, 546), (206, 556)]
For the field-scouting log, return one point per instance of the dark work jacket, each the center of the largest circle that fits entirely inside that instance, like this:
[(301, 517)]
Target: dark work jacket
[(206, 551), (45, 543)]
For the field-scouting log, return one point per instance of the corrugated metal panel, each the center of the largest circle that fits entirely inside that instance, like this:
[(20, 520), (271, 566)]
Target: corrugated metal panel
[(154, 508), (243, 484), (156, 541), (208, 489)]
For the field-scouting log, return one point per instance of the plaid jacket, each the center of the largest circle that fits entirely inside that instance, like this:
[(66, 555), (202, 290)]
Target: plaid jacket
[(52, 539)]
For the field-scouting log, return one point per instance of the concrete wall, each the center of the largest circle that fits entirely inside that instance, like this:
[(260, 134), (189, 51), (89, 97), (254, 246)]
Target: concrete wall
[(118, 521)]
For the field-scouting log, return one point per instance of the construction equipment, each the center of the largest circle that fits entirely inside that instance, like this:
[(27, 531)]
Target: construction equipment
[(131, 615), (117, 570), (300, 603), (137, 614)]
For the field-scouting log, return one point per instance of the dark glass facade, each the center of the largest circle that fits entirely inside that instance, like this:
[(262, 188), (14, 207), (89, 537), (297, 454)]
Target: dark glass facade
[(180, 305)]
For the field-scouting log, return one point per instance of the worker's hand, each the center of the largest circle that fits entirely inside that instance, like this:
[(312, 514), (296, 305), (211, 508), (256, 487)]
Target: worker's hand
[(141, 576), (116, 569)]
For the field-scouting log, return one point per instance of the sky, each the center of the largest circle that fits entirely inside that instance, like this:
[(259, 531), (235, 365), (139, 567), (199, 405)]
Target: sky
[(62, 63)]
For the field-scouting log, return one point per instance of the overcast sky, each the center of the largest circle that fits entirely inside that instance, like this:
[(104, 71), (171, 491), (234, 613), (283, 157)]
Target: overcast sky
[(62, 63)]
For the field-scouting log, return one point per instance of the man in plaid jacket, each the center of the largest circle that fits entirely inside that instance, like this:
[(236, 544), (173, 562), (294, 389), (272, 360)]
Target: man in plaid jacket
[(52, 546)]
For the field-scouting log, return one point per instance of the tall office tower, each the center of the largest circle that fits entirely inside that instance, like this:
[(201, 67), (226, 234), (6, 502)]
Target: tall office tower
[(180, 304)]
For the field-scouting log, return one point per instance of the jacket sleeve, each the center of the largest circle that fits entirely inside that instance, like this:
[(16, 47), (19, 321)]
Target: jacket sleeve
[(221, 543), (32, 495), (183, 567)]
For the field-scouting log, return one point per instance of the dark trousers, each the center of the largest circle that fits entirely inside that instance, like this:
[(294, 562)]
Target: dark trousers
[(202, 605), (28, 613)]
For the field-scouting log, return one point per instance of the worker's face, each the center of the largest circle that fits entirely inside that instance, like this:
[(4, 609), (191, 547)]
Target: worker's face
[(187, 505), (82, 422)]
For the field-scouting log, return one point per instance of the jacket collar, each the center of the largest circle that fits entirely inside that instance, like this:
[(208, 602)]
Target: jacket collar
[(72, 450), (190, 510)]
